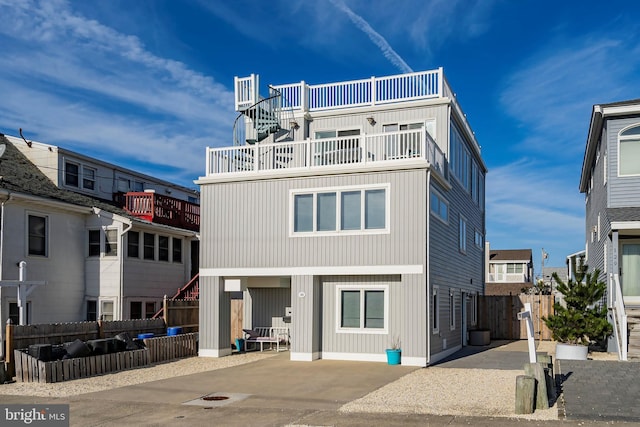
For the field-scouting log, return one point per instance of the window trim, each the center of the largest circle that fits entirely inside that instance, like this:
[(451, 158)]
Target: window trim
[(633, 138), (478, 239), (129, 244), (45, 237), (462, 234), (164, 252), (94, 244), (362, 288), (441, 200), (452, 309), (102, 310), (339, 190), (116, 242), (435, 306), (80, 175)]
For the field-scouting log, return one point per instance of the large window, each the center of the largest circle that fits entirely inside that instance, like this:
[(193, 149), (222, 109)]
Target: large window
[(352, 210), (149, 249), (94, 242), (629, 151), (92, 310), (177, 250), (106, 311), (37, 238), (515, 268), (362, 308), (111, 242), (460, 159), (163, 248), (71, 174), (133, 244)]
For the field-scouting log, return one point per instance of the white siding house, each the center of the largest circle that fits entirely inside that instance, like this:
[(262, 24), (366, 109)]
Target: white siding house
[(356, 207), (91, 253)]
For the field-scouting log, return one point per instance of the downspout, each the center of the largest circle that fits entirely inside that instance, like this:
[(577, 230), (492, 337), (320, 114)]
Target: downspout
[(429, 290)]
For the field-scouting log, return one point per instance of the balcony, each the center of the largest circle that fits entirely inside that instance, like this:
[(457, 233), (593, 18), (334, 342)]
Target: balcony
[(359, 151), (163, 210), (508, 278)]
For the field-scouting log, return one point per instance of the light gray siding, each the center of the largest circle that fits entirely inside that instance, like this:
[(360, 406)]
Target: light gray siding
[(596, 204), (307, 307), (214, 315), (268, 305), (623, 191), (247, 225)]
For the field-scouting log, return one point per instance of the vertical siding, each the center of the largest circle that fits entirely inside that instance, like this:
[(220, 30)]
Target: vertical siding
[(269, 305), (305, 307), (214, 314), (247, 224), (596, 202)]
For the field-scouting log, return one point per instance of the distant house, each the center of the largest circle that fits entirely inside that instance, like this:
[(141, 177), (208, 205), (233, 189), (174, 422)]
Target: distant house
[(509, 271), (105, 249), (610, 181), (353, 210)]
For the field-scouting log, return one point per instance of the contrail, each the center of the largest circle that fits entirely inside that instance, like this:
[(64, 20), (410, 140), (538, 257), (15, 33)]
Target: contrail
[(374, 36)]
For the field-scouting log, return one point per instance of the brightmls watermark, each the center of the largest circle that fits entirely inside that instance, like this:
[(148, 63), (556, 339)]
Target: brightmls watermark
[(36, 415)]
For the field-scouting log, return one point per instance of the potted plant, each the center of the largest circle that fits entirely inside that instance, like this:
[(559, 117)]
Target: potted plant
[(394, 353), (580, 321)]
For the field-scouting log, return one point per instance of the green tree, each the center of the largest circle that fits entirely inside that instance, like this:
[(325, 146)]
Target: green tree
[(581, 320)]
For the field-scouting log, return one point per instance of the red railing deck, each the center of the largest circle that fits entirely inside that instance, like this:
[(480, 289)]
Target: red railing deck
[(163, 210)]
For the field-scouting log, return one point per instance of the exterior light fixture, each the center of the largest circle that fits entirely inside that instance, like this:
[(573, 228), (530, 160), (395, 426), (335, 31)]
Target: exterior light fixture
[(371, 120)]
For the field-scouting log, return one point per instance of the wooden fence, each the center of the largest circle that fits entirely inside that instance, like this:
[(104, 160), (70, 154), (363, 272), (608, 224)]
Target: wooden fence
[(499, 314), (181, 312), (30, 369), (172, 347)]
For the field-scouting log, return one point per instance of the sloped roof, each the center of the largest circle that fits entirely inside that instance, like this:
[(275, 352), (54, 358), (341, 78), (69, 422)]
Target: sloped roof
[(623, 214), (510, 255), (19, 175)]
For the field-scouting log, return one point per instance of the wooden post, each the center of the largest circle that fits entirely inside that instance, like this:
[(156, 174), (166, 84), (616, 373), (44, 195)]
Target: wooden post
[(8, 355), (165, 311), (547, 364), (535, 370), (525, 394), (100, 329)]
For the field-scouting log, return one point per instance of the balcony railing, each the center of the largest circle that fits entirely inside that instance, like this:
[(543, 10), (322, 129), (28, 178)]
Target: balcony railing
[(163, 210), (353, 151)]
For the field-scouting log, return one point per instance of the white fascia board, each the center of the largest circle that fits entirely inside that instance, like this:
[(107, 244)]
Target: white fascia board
[(45, 202), (620, 110), (313, 270), (625, 225)]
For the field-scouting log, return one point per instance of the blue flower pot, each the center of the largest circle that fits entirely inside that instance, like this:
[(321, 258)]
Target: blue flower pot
[(240, 344), (393, 356)]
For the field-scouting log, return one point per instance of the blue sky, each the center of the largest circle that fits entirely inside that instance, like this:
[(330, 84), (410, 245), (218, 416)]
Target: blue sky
[(149, 83)]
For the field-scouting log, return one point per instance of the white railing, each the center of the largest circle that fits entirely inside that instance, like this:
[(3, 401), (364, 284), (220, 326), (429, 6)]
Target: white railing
[(391, 147), (619, 316), (366, 92), (246, 91)]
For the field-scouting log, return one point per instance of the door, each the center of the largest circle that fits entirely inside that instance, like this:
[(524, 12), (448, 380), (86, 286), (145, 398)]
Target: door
[(630, 273)]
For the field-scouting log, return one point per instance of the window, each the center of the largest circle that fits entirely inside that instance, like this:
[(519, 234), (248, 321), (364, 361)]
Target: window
[(163, 248), (459, 157), (94, 242), (149, 309), (138, 186), (14, 313), (462, 235), (362, 308), (88, 178), (111, 242), (452, 309), (629, 151), (106, 310), (71, 174), (477, 239), (149, 246), (133, 244), (177, 250), (92, 310), (435, 310), (74, 171), (345, 210), (439, 206), (37, 238), (473, 309), (135, 310), (604, 166), (515, 268)]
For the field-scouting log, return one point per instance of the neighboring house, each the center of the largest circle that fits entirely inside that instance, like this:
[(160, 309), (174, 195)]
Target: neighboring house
[(610, 180), (509, 271), (357, 208), (98, 259)]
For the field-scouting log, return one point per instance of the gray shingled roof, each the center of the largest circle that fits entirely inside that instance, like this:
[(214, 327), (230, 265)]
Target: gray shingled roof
[(21, 176), (623, 214), (510, 255)]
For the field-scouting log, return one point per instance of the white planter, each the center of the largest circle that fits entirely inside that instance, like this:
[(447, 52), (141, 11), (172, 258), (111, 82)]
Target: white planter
[(571, 351)]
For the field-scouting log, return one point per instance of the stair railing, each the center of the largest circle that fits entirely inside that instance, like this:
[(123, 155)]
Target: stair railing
[(619, 317)]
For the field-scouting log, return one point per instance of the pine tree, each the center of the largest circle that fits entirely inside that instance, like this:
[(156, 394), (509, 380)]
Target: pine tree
[(581, 320)]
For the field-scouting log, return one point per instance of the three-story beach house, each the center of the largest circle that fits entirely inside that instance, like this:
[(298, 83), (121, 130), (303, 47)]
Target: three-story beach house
[(351, 212), (610, 181)]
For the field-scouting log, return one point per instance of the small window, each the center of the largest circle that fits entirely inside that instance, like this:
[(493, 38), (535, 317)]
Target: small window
[(326, 212), (177, 250), (303, 212), (149, 309), (94, 242), (149, 246), (478, 239), (88, 178), (14, 313), (138, 186), (515, 268), (111, 242), (350, 212), (135, 310), (435, 311), (439, 207), (37, 235), (92, 310), (107, 310), (71, 174), (462, 235), (362, 309), (163, 248), (133, 244)]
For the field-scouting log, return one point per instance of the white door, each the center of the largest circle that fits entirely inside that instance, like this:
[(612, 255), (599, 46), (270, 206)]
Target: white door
[(630, 274)]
